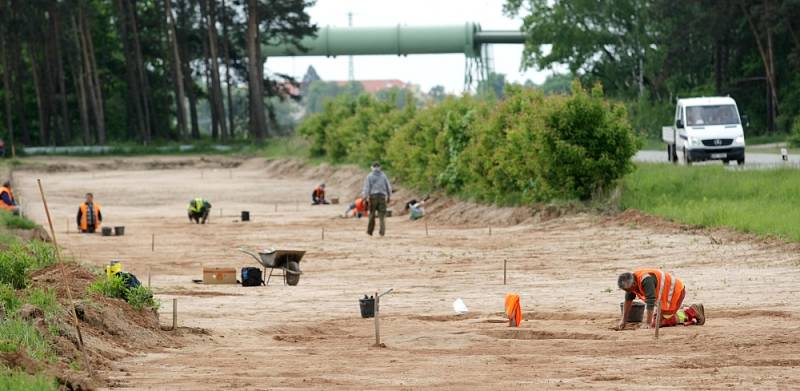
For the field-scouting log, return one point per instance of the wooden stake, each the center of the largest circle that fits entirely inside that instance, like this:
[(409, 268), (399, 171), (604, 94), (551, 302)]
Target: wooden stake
[(426, 228), (67, 279), (323, 233), (490, 230), (153, 243), (174, 314), (505, 262), (148, 277), (377, 320)]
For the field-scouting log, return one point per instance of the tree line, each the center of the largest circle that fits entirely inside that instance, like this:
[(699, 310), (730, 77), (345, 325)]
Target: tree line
[(654, 51), (94, 71)]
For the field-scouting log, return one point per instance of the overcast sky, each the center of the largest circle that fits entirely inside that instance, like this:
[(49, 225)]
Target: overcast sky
[(426, 70)]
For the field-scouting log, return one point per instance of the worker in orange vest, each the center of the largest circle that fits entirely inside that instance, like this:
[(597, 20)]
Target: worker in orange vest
[(359, 208), (7, 201), (646, 285), (318, 195), (89, 215)]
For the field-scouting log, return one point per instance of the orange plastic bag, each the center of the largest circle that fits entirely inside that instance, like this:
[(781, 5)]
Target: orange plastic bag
[(513, 309)]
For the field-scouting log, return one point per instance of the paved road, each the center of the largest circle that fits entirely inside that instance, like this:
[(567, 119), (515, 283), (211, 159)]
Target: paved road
[(757, 159)]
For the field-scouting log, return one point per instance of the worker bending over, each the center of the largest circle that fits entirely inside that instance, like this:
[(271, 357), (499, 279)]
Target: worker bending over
[(645, 284), (7, 201), (358, 208), (318, 195), (90, 217), (379, 192), (199, 210)]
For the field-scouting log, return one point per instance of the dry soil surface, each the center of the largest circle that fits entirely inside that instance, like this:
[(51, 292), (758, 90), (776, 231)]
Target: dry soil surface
[(311, 336)]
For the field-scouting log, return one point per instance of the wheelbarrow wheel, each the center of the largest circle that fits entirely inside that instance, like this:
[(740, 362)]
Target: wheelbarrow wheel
[(293, 278)]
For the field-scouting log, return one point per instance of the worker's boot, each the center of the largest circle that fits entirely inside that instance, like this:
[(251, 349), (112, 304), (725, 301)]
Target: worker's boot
[(698, 313)]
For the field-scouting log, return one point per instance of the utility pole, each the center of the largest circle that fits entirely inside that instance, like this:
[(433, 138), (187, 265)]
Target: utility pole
[(351, 73)]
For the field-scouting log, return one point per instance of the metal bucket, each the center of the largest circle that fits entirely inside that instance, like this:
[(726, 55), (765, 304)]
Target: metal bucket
[(119, 231), (636, 315), (245, 215), (106, 231)]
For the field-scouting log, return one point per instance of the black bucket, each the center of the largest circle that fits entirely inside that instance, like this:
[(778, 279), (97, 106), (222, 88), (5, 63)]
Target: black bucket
[(636, 315), (106, 231), (245, 215), (367, 307), (119, 231)]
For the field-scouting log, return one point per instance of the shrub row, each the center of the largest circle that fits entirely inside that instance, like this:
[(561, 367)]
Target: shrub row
[(526, 148)]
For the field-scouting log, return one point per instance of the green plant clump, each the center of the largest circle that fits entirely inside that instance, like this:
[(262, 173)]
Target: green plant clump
[(21, 381), (139, 297), (17, 261)]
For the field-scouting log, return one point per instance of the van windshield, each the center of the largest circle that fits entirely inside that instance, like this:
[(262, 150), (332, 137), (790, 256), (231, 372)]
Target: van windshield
[(711, 115)]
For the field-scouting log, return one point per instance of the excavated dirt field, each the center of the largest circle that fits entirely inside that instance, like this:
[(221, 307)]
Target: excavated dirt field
[(311, 336)]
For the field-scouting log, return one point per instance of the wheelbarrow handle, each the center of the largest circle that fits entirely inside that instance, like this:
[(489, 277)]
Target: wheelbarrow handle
[(250, 253)]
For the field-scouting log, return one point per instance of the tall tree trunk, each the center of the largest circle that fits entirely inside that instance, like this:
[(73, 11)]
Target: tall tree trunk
[(91, 78), (41, 101), (216, 87), (209, 94), (142, 72), (226, 49), (767, 58), (188, 76), (136, 122), (19, 97), (7, 90), (60, 74), (177, 72), (79, 79), (258, 120)]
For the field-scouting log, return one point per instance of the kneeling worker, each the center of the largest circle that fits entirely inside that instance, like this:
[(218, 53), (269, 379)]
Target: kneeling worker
[(318, 195), (7, 201), (644, 284), (199, 210), (360, 208), (89, 215)]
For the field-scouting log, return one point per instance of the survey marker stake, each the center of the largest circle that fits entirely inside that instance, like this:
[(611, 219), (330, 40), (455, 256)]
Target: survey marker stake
[(377, 317), (67, 279)]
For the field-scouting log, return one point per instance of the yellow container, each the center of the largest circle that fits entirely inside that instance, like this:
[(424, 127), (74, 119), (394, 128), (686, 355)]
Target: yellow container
[(114, 268)]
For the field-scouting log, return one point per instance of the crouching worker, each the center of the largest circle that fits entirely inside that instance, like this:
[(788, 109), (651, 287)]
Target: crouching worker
[(358, 208), (199, 210), (416, 209), (318, 195), (7, 201), (645, 284), (89, 215)]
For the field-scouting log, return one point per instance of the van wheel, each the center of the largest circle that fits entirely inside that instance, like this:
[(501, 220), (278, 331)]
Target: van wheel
[(726, 162), (686, 158), (740, 162)]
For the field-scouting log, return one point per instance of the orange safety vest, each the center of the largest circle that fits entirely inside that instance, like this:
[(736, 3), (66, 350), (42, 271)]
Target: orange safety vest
[(319, 193), (3, 205), (361, 206), (85, 216), (671, 288)]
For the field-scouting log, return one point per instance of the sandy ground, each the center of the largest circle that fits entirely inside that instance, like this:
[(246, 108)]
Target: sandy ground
[(311, 336)]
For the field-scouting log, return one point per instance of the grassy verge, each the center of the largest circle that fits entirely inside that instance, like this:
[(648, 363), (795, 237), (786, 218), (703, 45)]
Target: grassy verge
[(755, 201), (20, 381)]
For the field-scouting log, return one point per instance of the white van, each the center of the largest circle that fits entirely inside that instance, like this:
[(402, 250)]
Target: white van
[(705, 129)]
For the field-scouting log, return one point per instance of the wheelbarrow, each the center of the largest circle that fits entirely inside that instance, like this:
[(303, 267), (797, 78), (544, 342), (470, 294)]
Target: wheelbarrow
[(288, 261)]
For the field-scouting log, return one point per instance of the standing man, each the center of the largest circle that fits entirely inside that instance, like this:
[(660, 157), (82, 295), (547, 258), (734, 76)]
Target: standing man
[(89, 215), (199, 210), (646, 285), (379, 192), (7, 201)]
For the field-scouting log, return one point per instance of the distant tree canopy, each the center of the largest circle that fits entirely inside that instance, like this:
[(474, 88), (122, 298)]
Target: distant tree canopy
[(661, 49), (92, 71)]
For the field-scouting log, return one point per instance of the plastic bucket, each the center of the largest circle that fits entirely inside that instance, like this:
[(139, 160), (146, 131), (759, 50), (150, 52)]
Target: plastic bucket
[(245, 215), (367, 305), (636, 315), (106, 231), (119, 231), (113, 268)]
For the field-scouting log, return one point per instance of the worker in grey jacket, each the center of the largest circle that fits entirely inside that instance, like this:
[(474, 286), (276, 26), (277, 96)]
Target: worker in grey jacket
[(378, 190)]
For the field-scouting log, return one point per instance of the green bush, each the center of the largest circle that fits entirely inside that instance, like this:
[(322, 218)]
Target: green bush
[(17, 333), (44, 299), (15, 222), (19, 260), (586, 146), (794, 139), (8, 299), (525, 148), (141, 297), (21, 381), (113, 287)]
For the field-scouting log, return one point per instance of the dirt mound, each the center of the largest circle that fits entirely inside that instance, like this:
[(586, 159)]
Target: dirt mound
[(78, 164), (68, 378), (110, 328)]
